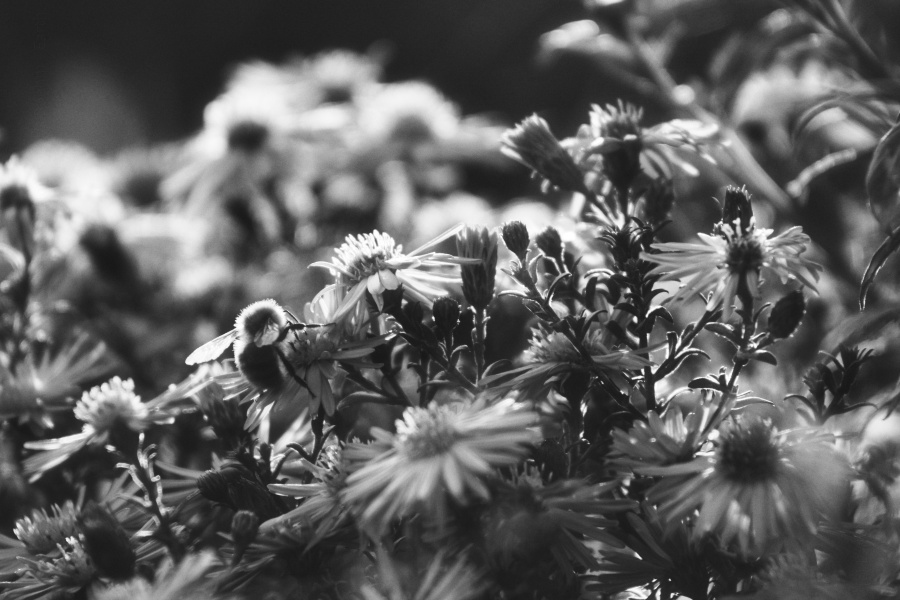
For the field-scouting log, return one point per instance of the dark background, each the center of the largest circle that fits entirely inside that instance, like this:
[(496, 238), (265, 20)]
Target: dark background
[(111, 73)]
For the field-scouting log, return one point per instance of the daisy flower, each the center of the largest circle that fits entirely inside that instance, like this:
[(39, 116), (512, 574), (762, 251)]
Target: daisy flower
[(103, 409), (437, 450), (732, 261), (374, 262), (759, 489)]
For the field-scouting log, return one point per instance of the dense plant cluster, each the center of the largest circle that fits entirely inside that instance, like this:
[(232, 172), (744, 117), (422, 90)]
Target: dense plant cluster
[(609, 392)]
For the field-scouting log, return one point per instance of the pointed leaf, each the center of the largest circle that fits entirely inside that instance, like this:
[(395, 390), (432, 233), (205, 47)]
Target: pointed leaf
[(888, 247)]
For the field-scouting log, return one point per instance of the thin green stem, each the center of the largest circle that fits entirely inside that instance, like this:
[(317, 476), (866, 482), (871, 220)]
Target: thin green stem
[(478, 343)]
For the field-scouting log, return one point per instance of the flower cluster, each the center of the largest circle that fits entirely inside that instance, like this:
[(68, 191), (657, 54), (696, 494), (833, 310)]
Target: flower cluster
[(463, 420)]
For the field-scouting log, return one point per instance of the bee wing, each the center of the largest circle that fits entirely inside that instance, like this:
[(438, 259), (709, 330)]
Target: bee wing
[(212, 349)]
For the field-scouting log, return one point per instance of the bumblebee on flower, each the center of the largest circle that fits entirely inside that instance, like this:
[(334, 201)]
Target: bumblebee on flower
[(281, 359)]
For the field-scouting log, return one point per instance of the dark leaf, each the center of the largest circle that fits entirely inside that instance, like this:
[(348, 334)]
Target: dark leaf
[(888, 247), (883, 180)]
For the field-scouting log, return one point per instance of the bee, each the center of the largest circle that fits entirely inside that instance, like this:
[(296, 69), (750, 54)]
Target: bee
[(259, 343)]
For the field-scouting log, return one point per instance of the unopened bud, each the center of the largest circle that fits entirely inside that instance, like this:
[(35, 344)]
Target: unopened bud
[(532, 144), (658, 199), (515, 236), (737, 210), (786, 315), (244, 526), (106, 542), (446, 316), (478, 278), (619, 141), (213, 486), (550, 243)]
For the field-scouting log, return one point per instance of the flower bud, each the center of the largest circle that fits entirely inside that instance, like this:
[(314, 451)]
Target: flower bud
[(550, 243), (532, 144), (244, 526), (658, 199), (213, 486), (446, 316), (619, 141), (736, 209), (786, 315), (106, 542), (17, 216), (515, 236), (478, 279)]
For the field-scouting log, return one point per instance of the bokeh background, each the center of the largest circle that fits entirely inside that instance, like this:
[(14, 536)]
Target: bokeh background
[(111, 74)]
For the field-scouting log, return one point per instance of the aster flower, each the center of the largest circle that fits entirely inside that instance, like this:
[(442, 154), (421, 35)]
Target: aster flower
[(341, 76), (731, 262), (322, 508), (374, 262), (445, 579), (653, 553), (46, 379), (624, 147), (759, 489), (407, 114), (437, 450), (552, 355), (66, 166), (529, 520), (670, 438), (103, 409), (67, 572), (243, 151), (21, 193), (188, 579)]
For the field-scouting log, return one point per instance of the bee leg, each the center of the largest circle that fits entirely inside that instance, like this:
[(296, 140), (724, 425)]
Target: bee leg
[(290, 369)]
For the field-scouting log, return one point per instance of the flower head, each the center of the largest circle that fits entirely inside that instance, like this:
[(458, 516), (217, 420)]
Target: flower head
[(615, 143), (533, 144), (438, 450), (478, 279), (759, 489), (732, 261), (664, 439), (42, 532), (552, 355), (105, 410), (64, 572), (408, 114), (374, 262), (189, 579)]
